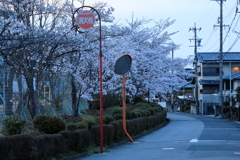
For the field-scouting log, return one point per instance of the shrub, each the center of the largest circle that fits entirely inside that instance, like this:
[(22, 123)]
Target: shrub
[(226, 104), (134, 114), (37, 120), (129, 114), (153, 104), (237, 89), (49, 124), (107, 119), (117, 116), (71, 119), (117, 111), (152, 111), (13, 125), (137, 113), (72, 127), (158, 108), (109, 100), (118, 130), (90, 119), (137, 99), (142, 105), (82, 125), (92, 123), (147, 113)]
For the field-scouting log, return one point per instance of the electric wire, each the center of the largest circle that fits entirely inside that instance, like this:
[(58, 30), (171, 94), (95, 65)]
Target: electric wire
[(230, 25), (228, 16), (204, 12), (217, 40), (236, 39), (236, 23)]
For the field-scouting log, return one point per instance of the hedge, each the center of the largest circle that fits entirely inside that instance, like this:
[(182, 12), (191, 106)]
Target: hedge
[(22, 147), (25, 147)]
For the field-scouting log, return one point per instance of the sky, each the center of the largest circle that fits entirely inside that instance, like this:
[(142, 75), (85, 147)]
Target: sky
[(187, 13)]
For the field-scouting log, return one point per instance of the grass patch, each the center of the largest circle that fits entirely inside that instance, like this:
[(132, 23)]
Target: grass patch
[(96, 150)]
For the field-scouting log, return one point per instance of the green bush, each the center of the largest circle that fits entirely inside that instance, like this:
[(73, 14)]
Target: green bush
[(117, 116), (142, 105), (13, 125), (152, 111), (129, 114), (49, 124), (72, 127), (146, 113), (117, 111), (82, 125), (90, 119), (107, 119), (137, 99), (158, 108), (134, 114), (137, 113), (110, 99)]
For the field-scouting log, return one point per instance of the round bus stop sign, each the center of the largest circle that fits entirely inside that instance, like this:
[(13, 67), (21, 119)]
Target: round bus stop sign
[(85, 19)]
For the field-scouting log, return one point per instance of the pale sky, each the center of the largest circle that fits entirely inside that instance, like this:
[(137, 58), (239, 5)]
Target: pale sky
[(204, 13)]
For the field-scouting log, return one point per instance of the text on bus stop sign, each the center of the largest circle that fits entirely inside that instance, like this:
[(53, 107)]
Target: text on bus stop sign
[(85, 19)]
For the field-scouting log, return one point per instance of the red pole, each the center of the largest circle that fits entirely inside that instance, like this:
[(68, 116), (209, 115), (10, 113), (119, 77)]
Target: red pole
[(101, 99), (100, 71)]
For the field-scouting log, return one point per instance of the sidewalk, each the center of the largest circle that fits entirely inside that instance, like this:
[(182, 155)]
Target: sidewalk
[(219, 117)]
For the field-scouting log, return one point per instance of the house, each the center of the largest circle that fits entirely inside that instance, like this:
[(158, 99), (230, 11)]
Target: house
[(187, 92), (208, 79)]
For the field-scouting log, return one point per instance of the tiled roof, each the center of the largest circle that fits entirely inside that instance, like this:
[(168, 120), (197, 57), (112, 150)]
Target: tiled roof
[(234, 76), (189, 86), (213, 57)]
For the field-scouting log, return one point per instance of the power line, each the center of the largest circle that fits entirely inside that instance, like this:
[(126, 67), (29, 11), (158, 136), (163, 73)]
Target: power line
[(231, 25)]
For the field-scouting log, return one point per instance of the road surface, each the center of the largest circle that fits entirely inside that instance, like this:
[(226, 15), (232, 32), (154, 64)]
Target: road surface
[(185, 137)]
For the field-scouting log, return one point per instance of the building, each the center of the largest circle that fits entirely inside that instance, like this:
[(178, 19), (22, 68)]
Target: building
[(208, 79)]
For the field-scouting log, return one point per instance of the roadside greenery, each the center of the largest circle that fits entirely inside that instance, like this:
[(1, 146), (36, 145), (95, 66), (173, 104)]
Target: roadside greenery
[(57, 137)]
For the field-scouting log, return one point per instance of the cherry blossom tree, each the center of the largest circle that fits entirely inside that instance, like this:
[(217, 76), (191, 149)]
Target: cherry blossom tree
[(37, 36)]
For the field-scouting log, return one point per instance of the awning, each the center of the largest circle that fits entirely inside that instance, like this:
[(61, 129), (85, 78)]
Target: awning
[(208, 82), (234, 76)]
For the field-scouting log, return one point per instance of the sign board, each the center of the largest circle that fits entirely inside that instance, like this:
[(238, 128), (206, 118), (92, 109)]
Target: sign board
[(123, 64), (85, 19)]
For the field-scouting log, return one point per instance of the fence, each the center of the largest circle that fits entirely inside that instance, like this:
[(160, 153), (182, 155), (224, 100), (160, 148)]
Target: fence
[(53, 92)]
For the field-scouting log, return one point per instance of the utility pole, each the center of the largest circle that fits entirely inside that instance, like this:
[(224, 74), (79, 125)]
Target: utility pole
[(172, 96), (194, 29), (220, 21)]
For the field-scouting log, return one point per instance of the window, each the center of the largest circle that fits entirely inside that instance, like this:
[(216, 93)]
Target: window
[(207, 89), (210, 71), (227, 83), (235, 69)]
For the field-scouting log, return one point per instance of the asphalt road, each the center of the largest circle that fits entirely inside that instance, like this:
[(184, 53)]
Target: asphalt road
[(185, 137)]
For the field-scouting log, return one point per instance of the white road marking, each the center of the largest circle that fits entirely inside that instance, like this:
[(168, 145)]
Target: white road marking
[(167, 148), (134, 142), (193, 141)]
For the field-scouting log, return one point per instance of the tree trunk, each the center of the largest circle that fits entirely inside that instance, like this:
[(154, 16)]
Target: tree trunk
[(31, 98), (74, 98), (20, 94), (9, 91)]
